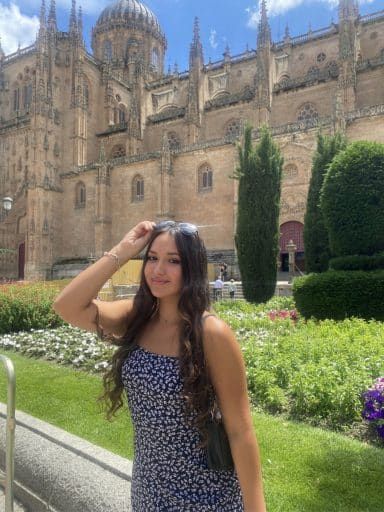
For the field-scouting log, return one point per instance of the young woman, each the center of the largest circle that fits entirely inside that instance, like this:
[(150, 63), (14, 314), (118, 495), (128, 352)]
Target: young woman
[(174, 358)]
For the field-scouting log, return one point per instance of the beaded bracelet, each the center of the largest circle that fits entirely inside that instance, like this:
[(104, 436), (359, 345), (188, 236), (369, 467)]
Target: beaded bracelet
[(114, 256)]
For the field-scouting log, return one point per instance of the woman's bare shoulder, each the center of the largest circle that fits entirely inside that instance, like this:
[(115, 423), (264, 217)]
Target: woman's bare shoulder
[(216, 332)]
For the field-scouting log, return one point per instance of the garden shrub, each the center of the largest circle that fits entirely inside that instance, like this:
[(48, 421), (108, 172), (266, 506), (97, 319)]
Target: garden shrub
[(358, 262), (341, 294), (311, 371), (352, 200), (26, 306), (316, 242)]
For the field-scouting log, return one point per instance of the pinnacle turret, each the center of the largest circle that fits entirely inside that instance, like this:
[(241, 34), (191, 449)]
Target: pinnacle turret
[(52, 23), (72, 19), (43, 21), (348, 9), (264, 31), (196, 51)]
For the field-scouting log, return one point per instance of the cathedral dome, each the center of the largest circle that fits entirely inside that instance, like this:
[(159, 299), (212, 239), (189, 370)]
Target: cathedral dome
[(128, 13)]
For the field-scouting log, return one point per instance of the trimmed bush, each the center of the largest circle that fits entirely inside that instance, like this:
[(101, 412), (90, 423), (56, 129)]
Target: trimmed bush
[(340, 294), (316, 242), (257, 230), (27, 306), (352, 200), (358, 262)]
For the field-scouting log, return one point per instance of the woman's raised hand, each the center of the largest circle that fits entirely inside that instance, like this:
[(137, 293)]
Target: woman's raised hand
[(135, 240)]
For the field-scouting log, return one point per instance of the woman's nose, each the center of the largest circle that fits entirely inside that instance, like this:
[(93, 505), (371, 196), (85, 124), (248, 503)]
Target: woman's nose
[(159, 267)]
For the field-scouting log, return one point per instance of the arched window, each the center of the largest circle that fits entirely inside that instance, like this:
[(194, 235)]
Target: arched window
[(80, 195), (137, 188), (173, 141), (27, 95), (16, 98), (122, 114), (205, 178), (307, 113), (107, 50), (118, 151), (132, 49), (85, 92), (232, 129), (155, 58)]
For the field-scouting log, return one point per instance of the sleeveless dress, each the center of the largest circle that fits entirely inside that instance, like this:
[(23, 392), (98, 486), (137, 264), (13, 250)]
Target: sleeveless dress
[(170, 472)]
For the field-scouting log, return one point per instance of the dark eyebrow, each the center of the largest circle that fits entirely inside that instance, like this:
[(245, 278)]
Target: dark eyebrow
[(168, 253)]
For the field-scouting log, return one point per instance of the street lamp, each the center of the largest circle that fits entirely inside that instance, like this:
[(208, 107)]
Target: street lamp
[(291, 248), (7, 203), (6, 207)]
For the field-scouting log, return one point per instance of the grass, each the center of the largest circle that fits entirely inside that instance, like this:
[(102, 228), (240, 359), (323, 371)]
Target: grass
[(67, 398), (305, 469)]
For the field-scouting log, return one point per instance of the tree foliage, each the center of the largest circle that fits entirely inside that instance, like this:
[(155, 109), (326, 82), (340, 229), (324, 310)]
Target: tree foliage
[(257, 232), (352, 200), (316, 241)]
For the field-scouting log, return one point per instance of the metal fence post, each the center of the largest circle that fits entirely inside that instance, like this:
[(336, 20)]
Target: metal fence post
[(9, 434)]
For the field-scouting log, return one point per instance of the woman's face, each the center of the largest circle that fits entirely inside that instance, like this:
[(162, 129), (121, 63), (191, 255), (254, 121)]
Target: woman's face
[(162, 271)]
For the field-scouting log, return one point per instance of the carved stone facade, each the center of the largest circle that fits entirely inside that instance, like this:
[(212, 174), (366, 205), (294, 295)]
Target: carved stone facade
[(92, 144)]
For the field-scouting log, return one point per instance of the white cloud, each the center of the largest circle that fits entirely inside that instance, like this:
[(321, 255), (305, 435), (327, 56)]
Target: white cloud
[(16, 28), (212, 39), (276, 7)]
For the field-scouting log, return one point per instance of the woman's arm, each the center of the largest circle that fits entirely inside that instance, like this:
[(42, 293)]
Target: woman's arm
[(227, 373), (76, 304)]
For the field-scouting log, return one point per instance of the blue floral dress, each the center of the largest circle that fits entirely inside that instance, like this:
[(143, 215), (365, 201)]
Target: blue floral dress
[(170, 472)]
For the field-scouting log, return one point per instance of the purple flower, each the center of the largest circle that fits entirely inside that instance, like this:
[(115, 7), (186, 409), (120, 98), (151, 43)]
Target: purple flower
[(373, 401)]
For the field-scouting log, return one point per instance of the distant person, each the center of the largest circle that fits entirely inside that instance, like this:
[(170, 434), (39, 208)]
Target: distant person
[(232, 289), (218, 288), (172, 362), (223, 271)]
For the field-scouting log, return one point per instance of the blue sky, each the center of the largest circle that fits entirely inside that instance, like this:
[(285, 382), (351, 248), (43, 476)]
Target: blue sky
[(222, 22)]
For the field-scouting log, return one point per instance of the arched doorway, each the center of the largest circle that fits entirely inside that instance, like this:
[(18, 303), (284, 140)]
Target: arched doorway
[(292, 230), (21, 261)]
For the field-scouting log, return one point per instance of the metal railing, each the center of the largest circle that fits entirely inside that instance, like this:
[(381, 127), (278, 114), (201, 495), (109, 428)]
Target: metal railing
[(8, 477)]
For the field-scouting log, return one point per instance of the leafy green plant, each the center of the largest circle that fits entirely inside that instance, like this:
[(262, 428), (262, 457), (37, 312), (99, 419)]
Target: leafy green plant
[(352, 200), (27, 306), (341, 294), (316, 241), (256, 238)]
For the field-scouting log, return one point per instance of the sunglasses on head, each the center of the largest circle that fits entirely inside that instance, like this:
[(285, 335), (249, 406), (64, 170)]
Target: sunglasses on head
[(184, 227)]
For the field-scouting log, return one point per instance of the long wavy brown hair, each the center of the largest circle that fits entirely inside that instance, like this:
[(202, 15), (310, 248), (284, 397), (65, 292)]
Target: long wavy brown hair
[(194, 300)]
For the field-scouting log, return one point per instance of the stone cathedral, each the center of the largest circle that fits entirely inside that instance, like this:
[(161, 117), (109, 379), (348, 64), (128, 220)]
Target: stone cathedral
[(90, 144)]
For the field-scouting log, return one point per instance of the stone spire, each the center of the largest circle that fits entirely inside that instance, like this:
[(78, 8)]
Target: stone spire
[(196, 51), (72, 19), (264, 31), (52, 24), (348, 9), (43, 21), (80, 24)]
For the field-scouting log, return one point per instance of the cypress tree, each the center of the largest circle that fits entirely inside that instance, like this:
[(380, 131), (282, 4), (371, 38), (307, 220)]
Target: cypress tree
[(257, 232), (316, 241)]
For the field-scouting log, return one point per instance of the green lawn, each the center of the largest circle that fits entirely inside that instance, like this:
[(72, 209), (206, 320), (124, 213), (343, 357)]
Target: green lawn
[(305, 469)]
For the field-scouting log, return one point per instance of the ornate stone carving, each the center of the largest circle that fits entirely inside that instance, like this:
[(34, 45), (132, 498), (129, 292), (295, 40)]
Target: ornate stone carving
[(218, 83), (230, 99), (161, 99), (167, 114)]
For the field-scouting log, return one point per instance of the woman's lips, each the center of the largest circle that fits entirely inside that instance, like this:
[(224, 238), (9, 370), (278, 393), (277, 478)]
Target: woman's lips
[(159, 281)]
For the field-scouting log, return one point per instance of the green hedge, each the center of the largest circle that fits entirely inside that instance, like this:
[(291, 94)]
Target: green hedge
[(352, 200), (358, 262), (341, 294), (26, 306)]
